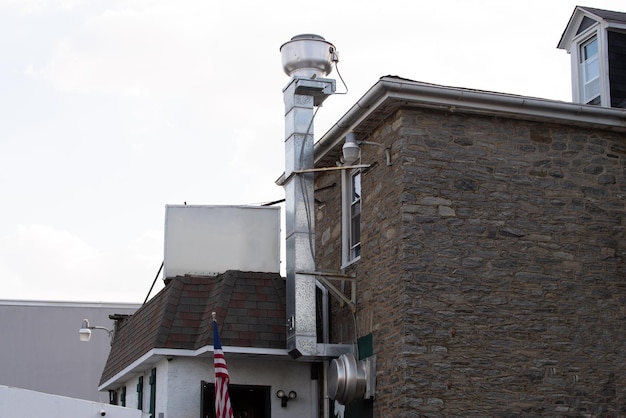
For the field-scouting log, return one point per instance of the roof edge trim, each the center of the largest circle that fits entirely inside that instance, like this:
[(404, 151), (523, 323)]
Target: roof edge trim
[(469, 101), (156, 354)]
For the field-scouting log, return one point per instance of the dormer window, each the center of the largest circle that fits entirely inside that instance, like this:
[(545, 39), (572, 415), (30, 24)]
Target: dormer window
[(596, 40), (590, 71)]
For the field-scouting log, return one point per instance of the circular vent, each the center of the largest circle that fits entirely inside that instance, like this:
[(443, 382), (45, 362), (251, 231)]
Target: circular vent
[(346, 379)]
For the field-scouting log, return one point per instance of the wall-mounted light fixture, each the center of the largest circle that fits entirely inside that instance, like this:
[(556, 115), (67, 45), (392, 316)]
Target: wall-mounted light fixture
[(85, 331), (352, 151), (284, 398)]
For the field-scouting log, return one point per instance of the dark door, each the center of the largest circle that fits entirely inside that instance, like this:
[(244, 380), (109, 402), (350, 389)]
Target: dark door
[(247, 401)]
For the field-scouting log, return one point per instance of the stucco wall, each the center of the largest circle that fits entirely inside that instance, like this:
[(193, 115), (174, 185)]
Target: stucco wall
[(492, 273), (179, 385)]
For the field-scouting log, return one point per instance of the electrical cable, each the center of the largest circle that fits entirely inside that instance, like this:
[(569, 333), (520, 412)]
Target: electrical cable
[(155, 279), (356, 333), (341, 78)]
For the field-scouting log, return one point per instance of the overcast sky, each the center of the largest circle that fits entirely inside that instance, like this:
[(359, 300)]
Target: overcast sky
[(109, 110)]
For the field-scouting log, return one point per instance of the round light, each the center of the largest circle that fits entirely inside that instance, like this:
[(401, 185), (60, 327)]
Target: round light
[(280, 394), (292, 395), (84, 334), (351, 152)]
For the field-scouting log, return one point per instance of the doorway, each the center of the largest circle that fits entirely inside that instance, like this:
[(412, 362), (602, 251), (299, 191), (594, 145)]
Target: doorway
[(247, 401)]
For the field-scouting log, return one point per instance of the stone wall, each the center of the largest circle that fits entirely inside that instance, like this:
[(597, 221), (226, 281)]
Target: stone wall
[(492, 273)]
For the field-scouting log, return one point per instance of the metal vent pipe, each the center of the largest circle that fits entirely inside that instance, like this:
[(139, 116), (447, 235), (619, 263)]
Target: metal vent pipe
[(306, 59)]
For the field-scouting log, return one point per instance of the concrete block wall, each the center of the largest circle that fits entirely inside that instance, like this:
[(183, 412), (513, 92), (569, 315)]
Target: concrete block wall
[(492, 274)]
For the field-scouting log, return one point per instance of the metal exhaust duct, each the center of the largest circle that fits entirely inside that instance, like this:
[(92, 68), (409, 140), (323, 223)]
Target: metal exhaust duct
[(306, 59)]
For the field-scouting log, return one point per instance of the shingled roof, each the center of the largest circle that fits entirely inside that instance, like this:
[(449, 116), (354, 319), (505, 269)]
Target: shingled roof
[(250, 308), (606, 14)]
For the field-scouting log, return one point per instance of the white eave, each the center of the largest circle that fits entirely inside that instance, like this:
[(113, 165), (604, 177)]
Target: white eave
[(391, 93), (155, 355)]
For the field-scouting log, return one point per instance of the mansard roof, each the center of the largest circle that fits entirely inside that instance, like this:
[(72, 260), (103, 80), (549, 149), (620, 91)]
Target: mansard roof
[(250, 309)]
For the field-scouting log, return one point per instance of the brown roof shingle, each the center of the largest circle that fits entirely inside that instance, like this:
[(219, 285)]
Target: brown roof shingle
[(250, 309)]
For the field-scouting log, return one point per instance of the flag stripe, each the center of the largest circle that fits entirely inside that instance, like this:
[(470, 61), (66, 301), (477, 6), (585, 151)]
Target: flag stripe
[(223, 409)]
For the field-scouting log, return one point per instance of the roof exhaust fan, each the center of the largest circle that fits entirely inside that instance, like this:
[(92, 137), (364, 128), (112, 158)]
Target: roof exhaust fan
[(308, 56)]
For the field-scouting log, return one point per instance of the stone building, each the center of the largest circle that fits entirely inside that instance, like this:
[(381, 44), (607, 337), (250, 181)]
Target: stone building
[(491, 269), (486, 234)]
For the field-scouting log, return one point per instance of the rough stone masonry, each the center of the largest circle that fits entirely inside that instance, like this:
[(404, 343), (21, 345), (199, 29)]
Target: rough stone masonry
[(492, 273)]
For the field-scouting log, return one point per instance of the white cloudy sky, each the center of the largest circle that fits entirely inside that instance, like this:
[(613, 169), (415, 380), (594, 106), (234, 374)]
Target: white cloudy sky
[(111, 109)]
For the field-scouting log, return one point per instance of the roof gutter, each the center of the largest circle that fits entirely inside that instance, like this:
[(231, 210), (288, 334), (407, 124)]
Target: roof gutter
[(455, 99)]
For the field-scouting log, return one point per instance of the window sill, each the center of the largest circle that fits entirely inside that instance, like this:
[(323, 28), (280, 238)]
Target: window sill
[(349, 263)]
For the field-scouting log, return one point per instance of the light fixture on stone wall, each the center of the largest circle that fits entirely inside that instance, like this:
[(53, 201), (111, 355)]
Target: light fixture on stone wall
[(351, 149)]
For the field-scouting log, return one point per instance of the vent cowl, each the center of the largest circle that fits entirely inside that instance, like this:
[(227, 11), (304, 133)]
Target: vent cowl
[(350, 379), (308, 56)]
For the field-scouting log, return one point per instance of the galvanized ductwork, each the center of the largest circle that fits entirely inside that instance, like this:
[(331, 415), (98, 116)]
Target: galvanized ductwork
[(306, 59)]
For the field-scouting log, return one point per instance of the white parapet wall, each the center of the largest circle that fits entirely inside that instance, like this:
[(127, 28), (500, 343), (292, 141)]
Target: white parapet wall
[(23, 403)]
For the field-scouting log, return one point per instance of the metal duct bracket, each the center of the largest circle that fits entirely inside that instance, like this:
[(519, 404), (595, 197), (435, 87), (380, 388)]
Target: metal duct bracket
[(325, 278), (319, 88)]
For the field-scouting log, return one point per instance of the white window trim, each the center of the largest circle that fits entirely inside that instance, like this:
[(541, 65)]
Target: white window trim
[(600, 33), (346, 203), (586, 62)]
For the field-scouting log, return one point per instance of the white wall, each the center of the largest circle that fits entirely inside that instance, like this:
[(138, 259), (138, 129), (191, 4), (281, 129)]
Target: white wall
[(178, 385), (131, 394), (286, 375), (22, 403), (41, 350)]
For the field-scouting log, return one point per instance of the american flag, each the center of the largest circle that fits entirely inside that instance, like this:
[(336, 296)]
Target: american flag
[(223, 409)]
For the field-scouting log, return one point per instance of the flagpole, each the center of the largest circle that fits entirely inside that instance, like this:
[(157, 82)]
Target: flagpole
[(223, 408)]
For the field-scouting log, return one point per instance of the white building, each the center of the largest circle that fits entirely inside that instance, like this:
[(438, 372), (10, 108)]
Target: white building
[(223, 260)]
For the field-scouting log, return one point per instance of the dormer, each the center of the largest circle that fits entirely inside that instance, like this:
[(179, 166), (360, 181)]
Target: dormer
[(596, 41)]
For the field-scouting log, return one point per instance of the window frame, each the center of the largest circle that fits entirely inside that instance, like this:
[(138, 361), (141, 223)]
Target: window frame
[(351, 250), (153, 392), (140, 393), (594, 31), (113, 397), (585, 62)]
